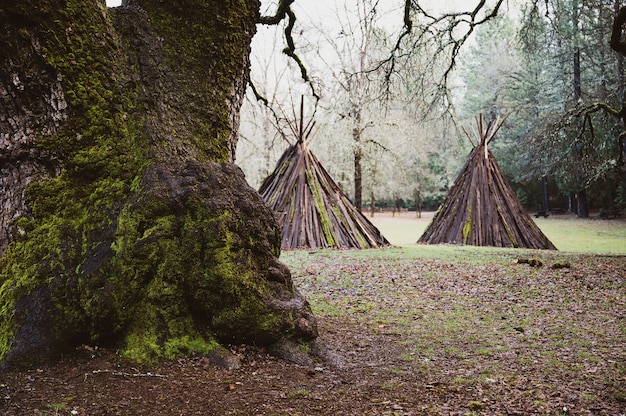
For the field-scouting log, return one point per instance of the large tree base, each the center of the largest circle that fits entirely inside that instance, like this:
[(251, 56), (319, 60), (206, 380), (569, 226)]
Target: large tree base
[(189, 262)]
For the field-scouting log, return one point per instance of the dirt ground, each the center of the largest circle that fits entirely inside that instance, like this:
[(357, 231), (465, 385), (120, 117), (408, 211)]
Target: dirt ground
[(372, 381), (455, 331)]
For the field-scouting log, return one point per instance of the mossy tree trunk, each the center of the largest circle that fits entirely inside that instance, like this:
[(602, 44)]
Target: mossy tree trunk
[(124, 224)]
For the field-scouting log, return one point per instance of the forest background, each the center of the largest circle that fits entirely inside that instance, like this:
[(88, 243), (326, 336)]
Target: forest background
[(391, 122)]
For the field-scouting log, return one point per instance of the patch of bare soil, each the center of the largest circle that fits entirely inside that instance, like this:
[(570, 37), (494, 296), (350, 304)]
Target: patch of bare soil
[(422, 337), (371, 381)]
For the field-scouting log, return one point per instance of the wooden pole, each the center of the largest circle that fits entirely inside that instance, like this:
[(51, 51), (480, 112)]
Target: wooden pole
[(301, 135)]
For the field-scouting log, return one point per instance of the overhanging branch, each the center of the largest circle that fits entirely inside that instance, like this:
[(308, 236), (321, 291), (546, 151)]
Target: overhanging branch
[(441, 36), (283, 12)]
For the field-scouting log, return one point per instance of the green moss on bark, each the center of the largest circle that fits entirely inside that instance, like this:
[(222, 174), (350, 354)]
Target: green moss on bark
[(196, 49), (135, 240), (140, 242)]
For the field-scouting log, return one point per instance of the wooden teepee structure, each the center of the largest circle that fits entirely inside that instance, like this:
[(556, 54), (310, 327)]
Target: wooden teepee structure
[(312, 210), (481, 209)]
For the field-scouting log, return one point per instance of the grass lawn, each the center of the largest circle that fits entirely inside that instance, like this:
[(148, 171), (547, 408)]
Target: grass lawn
[(567, 233)]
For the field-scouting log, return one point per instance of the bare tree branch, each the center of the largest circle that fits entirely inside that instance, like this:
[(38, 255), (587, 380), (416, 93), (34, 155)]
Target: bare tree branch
[(257, 95), (441, 36), (283, 12)]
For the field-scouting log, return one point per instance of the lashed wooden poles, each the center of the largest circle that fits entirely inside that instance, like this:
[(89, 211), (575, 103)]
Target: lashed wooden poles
[(481, 208), (311, 208)]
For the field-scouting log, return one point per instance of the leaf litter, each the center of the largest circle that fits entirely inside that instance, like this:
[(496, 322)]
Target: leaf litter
[(452, 331)]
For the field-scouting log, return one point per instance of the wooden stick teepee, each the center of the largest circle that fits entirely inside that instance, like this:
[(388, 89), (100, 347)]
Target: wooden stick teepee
[(481, 209), (312, 210)]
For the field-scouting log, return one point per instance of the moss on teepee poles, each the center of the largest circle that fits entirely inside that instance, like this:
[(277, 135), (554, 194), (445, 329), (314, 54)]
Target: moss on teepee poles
[(312, 210), (481, 209)]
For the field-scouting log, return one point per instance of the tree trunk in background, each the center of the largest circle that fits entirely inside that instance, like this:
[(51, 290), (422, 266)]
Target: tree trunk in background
[(546, 199), (417, 196), (582, 210), (358, 156), (124, 224), (622, 95), (582, 194)]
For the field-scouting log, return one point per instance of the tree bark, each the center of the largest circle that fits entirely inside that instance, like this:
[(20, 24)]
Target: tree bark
[(358, 157), (618, 23), (126, 224), (546, 199), (582, 210)]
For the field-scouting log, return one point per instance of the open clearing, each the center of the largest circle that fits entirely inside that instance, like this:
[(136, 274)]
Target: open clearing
[(567, 233), (421, 330)]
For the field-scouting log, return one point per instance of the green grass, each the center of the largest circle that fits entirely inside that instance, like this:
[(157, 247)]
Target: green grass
[(567, 233), (402, 229), (585, 235)]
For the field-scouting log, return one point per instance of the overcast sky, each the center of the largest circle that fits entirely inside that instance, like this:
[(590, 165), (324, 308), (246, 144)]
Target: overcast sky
[(320, 5)]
